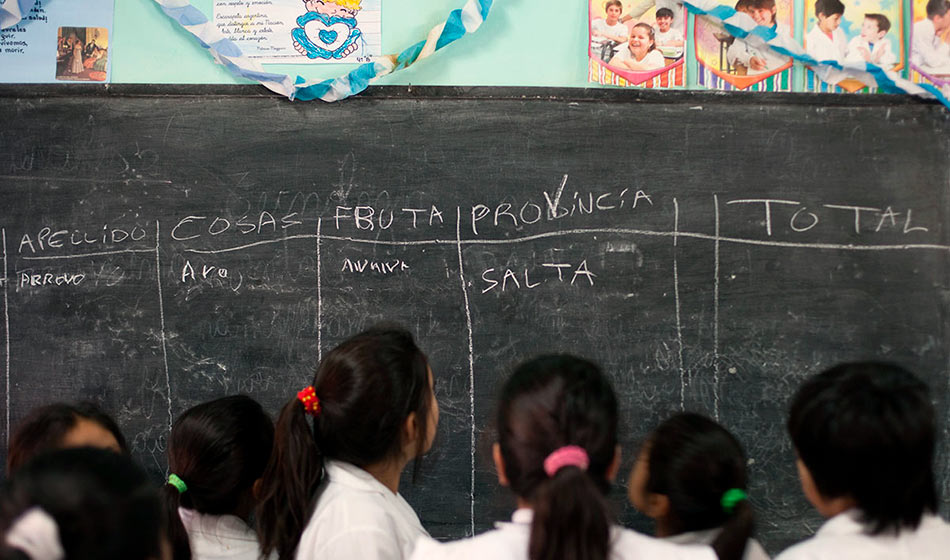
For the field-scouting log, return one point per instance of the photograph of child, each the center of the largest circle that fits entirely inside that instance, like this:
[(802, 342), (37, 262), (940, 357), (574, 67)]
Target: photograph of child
[(728, 62), (607, 33), (870, 45), (930, 40), (834, 34), (633, 43), (640, 52), (746, 59), (82, 54)]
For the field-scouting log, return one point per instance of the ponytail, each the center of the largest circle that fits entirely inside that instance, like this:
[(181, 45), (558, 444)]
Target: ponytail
[(571, 519), (736, 532), (289, 483), (175, 529)]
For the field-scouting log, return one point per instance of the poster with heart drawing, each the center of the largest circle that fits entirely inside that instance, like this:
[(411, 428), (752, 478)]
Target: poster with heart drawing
[(302, 31)]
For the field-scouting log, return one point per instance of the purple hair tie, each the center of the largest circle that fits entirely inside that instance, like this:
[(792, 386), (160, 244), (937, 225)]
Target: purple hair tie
[(567, 456)]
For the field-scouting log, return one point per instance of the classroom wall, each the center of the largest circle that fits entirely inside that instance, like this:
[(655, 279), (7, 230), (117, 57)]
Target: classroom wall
[(523, 43)]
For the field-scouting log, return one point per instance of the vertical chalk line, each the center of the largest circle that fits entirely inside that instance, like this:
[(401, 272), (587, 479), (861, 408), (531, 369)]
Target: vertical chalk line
[(716, 315), (319, 298), (161, 314), (676, 296), (6, 332), (471, 361)]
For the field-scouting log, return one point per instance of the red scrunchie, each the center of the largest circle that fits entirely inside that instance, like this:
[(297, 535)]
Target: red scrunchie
[(311, 403)]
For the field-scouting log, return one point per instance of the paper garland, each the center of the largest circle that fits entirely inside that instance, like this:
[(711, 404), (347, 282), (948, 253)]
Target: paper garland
[(459, 23), (12, 11)]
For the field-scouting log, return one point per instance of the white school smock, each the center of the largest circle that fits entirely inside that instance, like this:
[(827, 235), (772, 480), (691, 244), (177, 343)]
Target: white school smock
[(509, 541), (653, 60), (741, 52), (220, 537), (821, 47), (843, 538), (753, 550), (357, 517), (888, 59), (600, 25), (927, 50)]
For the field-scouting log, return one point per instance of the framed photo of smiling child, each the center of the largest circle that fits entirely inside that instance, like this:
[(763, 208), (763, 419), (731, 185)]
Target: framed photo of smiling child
[(637, 43), (730, 63), (852, 31), (302, 31)]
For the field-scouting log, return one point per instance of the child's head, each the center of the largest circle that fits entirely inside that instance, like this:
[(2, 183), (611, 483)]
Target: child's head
[(763, 12), (217, 450), (342, 8), (684, 469), (864, 434), (557, 450), (371, 402), (613, 9), (91, 503), (938, 11), (63, 425), (829, 14), (744, 6), (875, 27), (642, 38), (664, 19)]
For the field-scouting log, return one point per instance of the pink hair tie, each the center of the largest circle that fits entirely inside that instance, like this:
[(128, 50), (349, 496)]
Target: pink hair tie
[(567, 456)]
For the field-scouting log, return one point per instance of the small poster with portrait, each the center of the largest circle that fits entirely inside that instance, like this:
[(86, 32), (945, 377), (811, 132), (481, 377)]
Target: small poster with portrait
[(729, 63), (637, 43), (930, 43), (854, 32)]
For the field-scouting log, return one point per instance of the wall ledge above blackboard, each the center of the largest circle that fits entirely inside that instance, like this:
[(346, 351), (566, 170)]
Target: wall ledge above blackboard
[(476, 92)]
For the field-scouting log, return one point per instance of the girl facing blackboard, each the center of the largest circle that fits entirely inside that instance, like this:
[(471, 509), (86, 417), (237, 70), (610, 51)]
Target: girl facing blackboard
[(690, 477), (343, 442), (557, 451)]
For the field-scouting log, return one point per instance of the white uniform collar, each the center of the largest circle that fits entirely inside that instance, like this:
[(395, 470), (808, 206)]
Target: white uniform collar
[(351, 476)]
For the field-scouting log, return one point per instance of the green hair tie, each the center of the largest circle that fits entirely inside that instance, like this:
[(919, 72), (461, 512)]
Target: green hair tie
[(179, 484), (731, 499)]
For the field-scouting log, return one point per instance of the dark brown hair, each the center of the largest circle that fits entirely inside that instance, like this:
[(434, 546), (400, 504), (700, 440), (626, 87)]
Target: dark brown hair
[(45, 427), (367, 386), (219, 449), (548, 403)]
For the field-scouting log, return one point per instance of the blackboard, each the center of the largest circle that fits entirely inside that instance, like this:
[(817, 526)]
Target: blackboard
[(165, 247)]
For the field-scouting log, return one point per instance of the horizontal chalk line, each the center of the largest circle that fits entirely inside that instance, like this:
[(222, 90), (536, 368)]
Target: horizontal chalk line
[(87, 255)]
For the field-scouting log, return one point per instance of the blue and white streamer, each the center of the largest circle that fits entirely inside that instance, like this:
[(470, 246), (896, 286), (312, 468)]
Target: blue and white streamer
[(459, 23), (744, 27), (12, 11)]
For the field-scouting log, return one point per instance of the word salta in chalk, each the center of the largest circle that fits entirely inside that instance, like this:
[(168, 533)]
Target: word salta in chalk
[(490, 276)]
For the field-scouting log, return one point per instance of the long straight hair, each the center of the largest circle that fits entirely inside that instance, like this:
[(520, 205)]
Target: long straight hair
[(367, 387), (219, 449), (548, 403)]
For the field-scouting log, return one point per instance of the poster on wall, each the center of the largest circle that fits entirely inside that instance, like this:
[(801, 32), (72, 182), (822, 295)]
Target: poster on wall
[(730, 63), (852, 31), (302, 31), (58, 42), (637, 43), (930, 43)]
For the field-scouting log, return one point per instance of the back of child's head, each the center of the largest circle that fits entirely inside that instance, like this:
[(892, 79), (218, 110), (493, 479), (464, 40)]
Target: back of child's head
[(664, 13), (216, 451), (866, 431), (937, 8), (366, 388), (90, 504), (828, 8), (47, 427), (883, 24), (558, 404), (694, 462)]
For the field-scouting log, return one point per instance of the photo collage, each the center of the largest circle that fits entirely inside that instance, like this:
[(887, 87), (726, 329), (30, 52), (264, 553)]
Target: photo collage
[(658, 43)]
